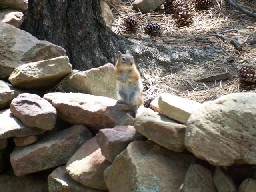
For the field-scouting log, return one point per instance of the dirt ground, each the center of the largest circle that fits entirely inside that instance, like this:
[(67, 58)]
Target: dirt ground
[(214, 27)]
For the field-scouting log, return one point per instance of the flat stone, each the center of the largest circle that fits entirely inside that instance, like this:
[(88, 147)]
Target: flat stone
[(12, 127), (146, 166), (146, 6), (87, 165), (25, 141), (248, 185), (60, 181), (49, 152), (93, 111), (12, 17), (176, 107), (220, 131), (113, 141), (96, 81), (7, 94), (34, 111), (161, 130), (31, 183), (198, 179), (223, 181), (19, 47), (41, 74)]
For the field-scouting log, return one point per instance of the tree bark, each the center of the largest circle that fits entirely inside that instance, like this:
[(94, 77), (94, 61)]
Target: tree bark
[(77, 26)]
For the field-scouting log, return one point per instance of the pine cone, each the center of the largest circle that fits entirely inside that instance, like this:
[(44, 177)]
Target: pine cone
[(130, 24), (183, 16), (203, 4), (247, 74), (153, 29)]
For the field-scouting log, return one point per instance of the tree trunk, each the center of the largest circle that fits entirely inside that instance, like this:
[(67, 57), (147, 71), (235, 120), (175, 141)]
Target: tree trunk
[(77, 26)]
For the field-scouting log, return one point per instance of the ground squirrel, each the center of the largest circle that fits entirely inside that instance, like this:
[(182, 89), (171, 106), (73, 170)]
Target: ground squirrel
[(128, 81)]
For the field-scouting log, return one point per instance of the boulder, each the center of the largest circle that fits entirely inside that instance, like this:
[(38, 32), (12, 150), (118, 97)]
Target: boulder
[(198, 179), (146, 6), (19, 47), (31, 183), (176, 107), (12, 127), (161, 130), (25, 141), (7, 93), (248, 185), (87, 165), (12, 17), (50, 152), (41, 74), (223, 131), (146, 166), (96, 81), (60, 181), (21, 5), (34, 111), (113, 141), (223, 181), (93, 111)]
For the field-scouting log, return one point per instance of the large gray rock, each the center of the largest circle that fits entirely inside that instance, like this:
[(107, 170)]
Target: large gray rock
[(176, 107), (113, 141), (7, 94), (161, 130), (60, 181), (31, 183), (18, 47), (93, 111), (21, 5), (145, 166), (223, 131), (10, 126), (12, 17), (198, 179), (87, 165), (45, 73), (223, 181), (248, 185), (146, 6), (50, 152), (96, 81), (34, 111)]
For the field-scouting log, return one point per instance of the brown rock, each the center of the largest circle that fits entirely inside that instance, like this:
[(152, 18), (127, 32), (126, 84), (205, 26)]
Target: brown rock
[(220, 131), (50, 152), (248, 185), (3, 143), (25, 141), (31, 183), (145, 166), (11, 17), (198, 179), (21, 5), (223, 181), (19, 47), (176, 107), (93, 111), (113, 141), (161, 130), (87, 165), (34, 111), (12, 127), (41, 74), (96, 81), (60, 181)]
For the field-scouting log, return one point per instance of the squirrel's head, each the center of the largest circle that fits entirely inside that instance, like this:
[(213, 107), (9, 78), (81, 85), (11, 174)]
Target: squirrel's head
[(126, 58)]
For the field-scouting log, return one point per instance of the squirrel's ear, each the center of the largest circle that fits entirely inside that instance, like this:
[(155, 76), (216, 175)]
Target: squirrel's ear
[(119, 54), (128, 52)]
